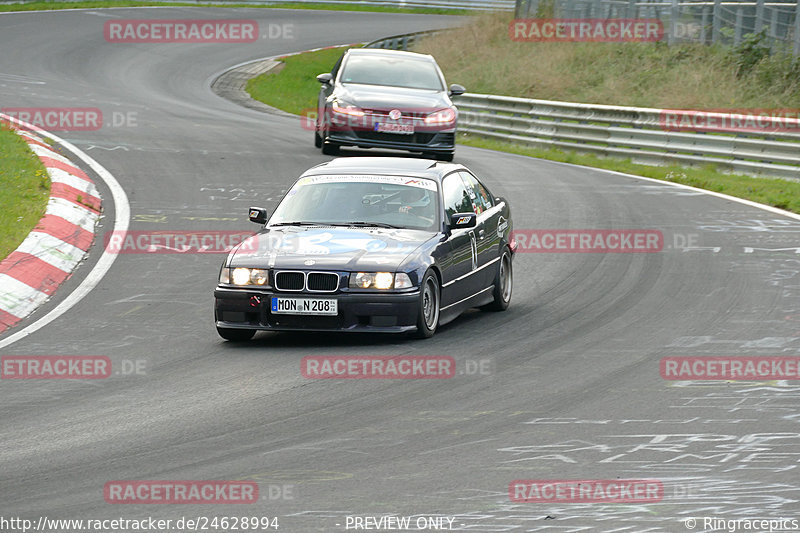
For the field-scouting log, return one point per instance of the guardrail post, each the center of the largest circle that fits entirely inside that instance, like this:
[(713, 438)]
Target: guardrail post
[(631, 9), (773, 23), (737, 35), (673, 21), (717, 21), (759, 16), (521, 8), (704, 26), (773, 29), (796, 48)]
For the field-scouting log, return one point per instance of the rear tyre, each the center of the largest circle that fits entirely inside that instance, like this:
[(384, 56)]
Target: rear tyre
[(236, 335), (428, 316), (503, 283)]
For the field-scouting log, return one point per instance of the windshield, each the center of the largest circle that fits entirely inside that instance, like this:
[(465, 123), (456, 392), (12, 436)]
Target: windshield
[(381, 201), (392, 71)]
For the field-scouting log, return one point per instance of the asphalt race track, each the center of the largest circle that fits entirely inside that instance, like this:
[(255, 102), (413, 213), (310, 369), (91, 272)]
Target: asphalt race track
[(567, 386)]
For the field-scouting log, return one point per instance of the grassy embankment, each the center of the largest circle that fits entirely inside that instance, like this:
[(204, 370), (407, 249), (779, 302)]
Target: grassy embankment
[(24, 190)]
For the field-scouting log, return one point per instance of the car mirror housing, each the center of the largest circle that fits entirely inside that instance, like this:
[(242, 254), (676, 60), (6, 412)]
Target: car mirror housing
[(463, 220), (258, 215), (325, 78), (456, 89)]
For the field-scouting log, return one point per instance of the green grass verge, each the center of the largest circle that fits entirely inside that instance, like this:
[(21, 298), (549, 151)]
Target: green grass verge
[(481, 56), (44, 5), (770, 191), (294, 89), (24, 190)]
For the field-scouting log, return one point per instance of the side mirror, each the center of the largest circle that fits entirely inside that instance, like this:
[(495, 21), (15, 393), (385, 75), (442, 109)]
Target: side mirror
[(258, 215), (456, 90), (325, 79), (463, 220)]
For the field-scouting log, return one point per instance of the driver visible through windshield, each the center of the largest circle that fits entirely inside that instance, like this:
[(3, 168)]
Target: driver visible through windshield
[(379, 201)]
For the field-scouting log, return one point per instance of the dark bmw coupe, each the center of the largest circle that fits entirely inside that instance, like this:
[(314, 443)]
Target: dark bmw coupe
[(375, 98), (372, 245)]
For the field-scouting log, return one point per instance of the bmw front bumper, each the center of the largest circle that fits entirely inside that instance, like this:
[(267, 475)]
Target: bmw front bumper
[(248, 308)]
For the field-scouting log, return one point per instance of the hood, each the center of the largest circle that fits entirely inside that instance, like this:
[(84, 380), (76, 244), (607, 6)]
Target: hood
[(387, 98), (329, 248)]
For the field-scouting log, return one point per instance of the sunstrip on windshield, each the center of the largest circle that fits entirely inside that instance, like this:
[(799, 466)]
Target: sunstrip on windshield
[(391, 180)]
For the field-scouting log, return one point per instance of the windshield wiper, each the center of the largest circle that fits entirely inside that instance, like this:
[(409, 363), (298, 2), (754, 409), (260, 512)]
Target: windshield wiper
[(300, 224), (368, 224)]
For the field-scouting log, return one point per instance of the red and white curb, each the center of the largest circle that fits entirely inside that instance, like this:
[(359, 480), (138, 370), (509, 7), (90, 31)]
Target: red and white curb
[(58, 243)]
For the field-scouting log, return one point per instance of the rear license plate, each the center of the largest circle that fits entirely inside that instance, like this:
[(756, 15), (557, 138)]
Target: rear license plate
[(304, 306), (388, 127)]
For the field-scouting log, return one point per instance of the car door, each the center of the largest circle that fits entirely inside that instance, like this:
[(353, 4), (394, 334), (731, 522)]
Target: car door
[(458, 279), (489, 229)]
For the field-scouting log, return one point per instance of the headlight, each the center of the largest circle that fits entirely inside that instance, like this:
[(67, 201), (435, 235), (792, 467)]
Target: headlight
[(347, 109), (244, 276), (443, 116), (379, 280)]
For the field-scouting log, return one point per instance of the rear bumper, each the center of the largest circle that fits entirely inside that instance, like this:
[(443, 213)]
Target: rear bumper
[(363, 312)]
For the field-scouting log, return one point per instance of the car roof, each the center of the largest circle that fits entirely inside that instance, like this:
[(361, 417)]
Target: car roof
[(389, 53), (385, 166)]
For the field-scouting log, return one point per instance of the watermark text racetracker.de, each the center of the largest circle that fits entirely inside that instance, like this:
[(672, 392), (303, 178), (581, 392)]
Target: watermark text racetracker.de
[(586, 491), (588, 240), (70, 118), (586, 30), (742, 120), (176, 241), (737, 368), (193, 31), (393, 367), (67, 367), (180, 492)]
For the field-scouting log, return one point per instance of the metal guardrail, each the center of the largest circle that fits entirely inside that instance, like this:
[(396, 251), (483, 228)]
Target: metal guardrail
[(699, 21), (404, 41), (629, 132)]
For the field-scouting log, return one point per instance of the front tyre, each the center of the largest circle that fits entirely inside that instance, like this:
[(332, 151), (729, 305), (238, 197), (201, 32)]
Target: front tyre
[(428, 315), (235, 334), (503, 283)]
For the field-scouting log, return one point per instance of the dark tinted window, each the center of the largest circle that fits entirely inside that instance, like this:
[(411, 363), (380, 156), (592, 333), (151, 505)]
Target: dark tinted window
[(391, 71), (456, 197), (481, 198)]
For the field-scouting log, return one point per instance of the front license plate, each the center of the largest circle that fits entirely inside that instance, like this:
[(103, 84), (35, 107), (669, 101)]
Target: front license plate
[(304, 306), (388, 127)]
